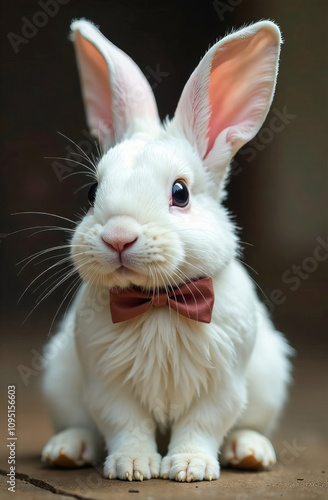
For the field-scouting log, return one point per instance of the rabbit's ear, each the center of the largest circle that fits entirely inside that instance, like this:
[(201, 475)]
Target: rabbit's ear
[(228, 96), (115, 92)]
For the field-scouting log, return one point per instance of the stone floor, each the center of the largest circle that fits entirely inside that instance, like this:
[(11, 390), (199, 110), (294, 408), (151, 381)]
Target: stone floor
[(301, 442)]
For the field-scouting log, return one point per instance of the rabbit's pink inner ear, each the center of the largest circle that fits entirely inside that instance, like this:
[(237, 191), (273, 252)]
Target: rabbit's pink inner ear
[(242, 79), (96, 90)]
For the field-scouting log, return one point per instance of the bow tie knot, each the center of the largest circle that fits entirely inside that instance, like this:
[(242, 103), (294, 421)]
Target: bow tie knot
[(193, 300), (159, 300)]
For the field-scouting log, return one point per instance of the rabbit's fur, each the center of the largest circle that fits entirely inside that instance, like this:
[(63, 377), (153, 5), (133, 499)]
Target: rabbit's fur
[(214, 385)]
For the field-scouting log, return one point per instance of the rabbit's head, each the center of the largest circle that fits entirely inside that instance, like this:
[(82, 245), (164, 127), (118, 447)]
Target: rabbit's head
[(156, 219)]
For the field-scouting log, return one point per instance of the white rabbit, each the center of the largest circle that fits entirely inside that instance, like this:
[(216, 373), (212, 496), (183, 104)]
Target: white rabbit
[(156, 223)]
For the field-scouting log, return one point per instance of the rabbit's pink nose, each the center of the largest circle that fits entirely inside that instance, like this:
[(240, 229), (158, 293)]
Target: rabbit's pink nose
[(119, 244)]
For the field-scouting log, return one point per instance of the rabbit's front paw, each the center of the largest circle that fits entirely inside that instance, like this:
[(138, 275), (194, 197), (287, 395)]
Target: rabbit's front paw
[(245, 449), (132, 466), (72, 447), (190, 467)]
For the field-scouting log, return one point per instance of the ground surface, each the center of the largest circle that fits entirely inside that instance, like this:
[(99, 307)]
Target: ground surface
[(301, 442)]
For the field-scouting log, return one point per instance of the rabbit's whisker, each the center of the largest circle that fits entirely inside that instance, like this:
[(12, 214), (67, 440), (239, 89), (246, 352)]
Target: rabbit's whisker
[(166, 288), (200, 270), (46, 213), (79, 148), (72, 161), (86, 174), (170, 277), (69, 274), (54, 279), (82, 187), (39, 276), (195, 285), (76, 281), (43, 227), (64, 261), (34, 256), (247, 265)]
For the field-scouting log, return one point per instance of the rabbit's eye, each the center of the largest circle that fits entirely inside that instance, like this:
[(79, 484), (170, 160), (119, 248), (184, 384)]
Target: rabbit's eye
[(92, 194), (180, 194)]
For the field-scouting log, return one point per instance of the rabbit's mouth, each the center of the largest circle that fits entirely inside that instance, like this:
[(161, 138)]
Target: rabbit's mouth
[(126, 271), (125, 276)]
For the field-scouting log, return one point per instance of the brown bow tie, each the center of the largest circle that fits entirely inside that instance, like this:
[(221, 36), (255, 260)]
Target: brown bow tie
[(194, 300)]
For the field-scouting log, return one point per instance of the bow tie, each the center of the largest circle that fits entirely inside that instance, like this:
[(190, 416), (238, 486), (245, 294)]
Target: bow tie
[(193, 300)]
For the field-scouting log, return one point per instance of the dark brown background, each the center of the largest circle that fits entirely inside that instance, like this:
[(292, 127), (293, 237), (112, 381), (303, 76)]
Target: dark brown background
[(279, 197)]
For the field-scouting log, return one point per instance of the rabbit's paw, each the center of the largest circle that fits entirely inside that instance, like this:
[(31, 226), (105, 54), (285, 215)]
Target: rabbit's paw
[(132, 466), (246, 449), (71, 448), (190, 467)]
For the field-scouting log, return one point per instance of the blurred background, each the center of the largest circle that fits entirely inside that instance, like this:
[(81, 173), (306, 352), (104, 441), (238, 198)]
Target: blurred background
[(278, 188)]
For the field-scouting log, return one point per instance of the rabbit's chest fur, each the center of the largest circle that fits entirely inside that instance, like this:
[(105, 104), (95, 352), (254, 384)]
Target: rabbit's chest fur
[(164, 360)]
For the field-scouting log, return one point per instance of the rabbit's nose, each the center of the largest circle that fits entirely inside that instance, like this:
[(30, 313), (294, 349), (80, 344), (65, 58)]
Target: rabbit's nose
[(119, 243)]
